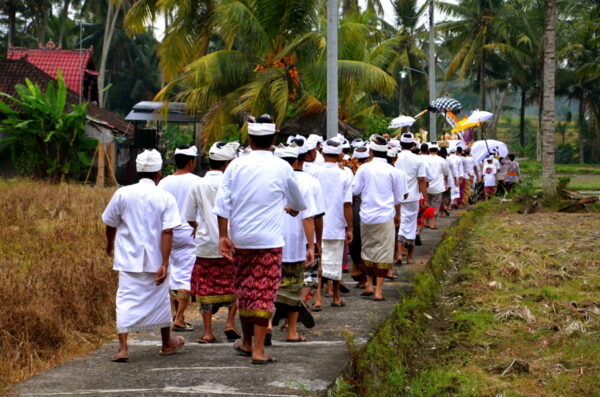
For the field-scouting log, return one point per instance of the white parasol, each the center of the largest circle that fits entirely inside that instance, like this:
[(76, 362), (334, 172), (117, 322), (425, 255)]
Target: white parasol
[(481, 149), (402, 121)]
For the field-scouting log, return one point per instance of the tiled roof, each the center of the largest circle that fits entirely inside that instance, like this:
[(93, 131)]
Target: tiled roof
[(73, 64), (14, 72)]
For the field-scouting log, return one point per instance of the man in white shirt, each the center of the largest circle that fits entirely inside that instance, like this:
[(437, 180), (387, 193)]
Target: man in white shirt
[(182, 253), (439, 172), (298, 251), (415, 170), (213, 275), (139, 220), (252, 201), (471, 170), (337, 223), (318, 141), (381, 188), (458, 172)]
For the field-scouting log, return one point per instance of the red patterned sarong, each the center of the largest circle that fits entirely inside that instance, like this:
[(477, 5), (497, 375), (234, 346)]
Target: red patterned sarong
[(213, 280), (257, 279)]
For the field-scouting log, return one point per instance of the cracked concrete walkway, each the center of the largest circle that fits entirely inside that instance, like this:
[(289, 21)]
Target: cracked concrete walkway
[(214, 370)]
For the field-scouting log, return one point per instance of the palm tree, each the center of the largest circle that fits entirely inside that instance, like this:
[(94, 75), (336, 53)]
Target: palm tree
[(272, 60), (472, 27), (548, 179)]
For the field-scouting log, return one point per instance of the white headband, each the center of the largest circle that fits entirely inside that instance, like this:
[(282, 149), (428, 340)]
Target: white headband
[(357, 143), (394, 143), (148, 161), (393, 153), (361, 155), (261, 129), (304, 148), (331, 149), (316, 138), (286, 151), (407, 138), (191, 151), (220, 151)]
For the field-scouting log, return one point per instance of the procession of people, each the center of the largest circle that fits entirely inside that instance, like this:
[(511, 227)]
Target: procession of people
[(267, 233)]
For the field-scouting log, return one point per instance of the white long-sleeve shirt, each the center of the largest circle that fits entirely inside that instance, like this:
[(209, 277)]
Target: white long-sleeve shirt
[(140, 213), (457, 166), (199, 206), (179, 186), (256, 189), (414, 168), (381, 187)]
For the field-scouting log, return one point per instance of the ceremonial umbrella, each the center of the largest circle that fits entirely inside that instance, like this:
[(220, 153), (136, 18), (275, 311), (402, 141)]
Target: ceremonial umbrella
[(479, 116), (444, 104), (481, 149), (402, 121), (464, 124)]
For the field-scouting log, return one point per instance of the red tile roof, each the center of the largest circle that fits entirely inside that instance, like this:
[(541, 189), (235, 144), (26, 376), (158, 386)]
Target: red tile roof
[(73, 64), (13, 72)]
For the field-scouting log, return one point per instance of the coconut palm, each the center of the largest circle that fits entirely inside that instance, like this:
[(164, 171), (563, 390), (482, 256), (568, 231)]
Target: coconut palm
[(273, 60)]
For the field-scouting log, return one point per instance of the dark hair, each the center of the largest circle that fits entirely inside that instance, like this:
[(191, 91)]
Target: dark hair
[(289, 160), (424, 147), (265, 118), (346, 150), (148, 175), (377, 153), (216, 164), (443, 152), (511, 157), (262, 141), (406, 145), (363, 160), (416, 150), (182, 160), (331, 156), (459, 149)]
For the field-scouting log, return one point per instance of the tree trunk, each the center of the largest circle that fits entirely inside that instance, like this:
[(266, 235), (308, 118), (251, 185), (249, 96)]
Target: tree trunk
[(63, 19), (12, 23), (548, 177), (482, 101), (112, 14), (538, 134), (497, 111), (580, 123), (522, 118)]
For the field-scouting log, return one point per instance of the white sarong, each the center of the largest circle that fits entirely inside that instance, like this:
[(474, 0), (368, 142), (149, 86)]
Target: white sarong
[(332, 257), (183, 258), (408, 221), (141, 304)]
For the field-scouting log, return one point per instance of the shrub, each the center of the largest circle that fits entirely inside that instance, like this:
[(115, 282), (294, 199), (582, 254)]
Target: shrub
[(46, 141)]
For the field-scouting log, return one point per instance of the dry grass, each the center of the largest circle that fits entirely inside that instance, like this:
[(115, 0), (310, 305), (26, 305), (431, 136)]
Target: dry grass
[(522, 318), (56, 283)]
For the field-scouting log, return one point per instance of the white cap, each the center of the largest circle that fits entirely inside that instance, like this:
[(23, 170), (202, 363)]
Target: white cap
[(394, 143), (332, 146), (357, 143), (392, 152), (148, 161), (191, 151), (407, 137), (261, 129), (286, 151), (361, 152), (221, 151)]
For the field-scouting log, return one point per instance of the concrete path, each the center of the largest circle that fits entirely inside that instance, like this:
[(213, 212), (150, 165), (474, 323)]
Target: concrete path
[(214, 370)]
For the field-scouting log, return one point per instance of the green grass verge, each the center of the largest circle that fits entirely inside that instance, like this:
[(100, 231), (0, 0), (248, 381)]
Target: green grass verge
[(383, 366), (529, 166)]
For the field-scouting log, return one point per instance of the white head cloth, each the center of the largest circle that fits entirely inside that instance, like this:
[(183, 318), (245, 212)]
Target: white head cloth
[(223, 151), (330, 148), (148, 161), (361, 152), (357, 143), (310, 144), (394, 143), (304, 148), (261, 129), (392, 152), (191, 151), (453, 150), (375, 145), (407, 138), (286, 151), (290, 139), (316, 138)]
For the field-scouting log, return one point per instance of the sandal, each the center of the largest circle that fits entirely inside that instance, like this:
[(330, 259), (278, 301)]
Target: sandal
[(232, 334), (299, 339), (188, 327), (240, 351), (341, 304), (118, 359), (180, 344), (367, 293), (207, 341), (269, 360)]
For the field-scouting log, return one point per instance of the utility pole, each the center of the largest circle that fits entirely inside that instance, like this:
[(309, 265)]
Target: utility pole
[(432, 133), (332, 69)]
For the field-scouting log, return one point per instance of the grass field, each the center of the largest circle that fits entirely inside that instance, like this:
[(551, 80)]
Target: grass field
[(520, 317), (583, 176), (56, 283)]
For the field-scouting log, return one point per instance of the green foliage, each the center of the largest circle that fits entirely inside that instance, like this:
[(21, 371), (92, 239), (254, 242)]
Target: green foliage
[(174, 136), (376, 124), (565, 154), (45, 139)]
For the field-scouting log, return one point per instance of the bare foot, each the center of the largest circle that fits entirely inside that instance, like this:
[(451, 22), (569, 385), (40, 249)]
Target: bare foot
[(174, 345), (120, 357)]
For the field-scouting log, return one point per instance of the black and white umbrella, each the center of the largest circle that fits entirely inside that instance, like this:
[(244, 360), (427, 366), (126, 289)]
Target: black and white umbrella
[(444, 104)]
